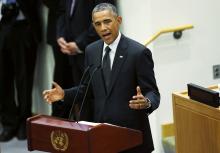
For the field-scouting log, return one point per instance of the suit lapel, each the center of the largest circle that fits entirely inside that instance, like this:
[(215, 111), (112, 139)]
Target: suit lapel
[(119, 59), (98, 54), (98, 62), (68, 6)]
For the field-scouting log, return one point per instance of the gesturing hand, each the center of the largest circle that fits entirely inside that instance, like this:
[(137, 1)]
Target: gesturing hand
[(138, 101), (53, 95)]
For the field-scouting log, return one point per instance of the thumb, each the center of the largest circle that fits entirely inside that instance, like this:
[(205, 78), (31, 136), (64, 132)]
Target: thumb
[(138, 90), (55, 85)]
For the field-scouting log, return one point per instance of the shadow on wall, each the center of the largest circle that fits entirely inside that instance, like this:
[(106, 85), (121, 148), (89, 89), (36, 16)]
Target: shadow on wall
[(165, 49)]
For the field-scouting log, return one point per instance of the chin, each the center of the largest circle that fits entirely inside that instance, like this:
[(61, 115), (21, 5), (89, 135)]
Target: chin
[(108, 42)]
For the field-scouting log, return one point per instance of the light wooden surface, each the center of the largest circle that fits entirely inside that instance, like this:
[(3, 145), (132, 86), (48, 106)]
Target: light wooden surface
[(167, 130), (197, 126)]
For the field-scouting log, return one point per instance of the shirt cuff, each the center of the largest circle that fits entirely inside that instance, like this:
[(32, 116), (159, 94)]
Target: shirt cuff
[(149, 103)]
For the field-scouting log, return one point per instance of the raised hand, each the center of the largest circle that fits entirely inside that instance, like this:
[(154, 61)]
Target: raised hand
[(53, 95), (139, 101)]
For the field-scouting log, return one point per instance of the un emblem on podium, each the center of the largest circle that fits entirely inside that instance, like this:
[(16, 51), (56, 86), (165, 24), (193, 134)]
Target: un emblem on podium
[(59, 140)]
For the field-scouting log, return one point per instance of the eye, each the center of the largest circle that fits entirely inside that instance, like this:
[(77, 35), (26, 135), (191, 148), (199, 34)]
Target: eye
[(107, 21), (97, 24)]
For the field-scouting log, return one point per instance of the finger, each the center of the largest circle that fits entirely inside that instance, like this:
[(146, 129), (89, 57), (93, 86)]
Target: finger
[(62, 45), (48, 101), (69, 50), (63, 51), (136, 101), (132, 106), (66, 51), (45, 92), (138, 106), (135, 106), (46, 98), (69, 45), (138, 97), (138, 90), (62, 42)]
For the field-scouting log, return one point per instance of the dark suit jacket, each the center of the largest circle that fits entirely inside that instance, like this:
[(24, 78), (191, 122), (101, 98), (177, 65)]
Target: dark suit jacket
[(133, 66), (54, 12)]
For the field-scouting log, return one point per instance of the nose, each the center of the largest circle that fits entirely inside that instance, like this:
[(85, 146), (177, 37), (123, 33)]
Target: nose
[(103, 27)]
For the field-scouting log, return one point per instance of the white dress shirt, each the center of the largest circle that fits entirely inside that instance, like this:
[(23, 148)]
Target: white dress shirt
[(113, 46)]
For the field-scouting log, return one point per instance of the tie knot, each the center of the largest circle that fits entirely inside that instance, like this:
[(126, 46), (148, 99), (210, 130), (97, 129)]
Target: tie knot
[(107, 49)]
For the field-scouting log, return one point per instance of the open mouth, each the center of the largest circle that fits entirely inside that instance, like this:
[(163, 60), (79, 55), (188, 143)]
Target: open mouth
[(106, 35)]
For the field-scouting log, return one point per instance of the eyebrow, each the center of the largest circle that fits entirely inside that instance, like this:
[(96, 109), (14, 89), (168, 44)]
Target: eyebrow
[(108, 19)]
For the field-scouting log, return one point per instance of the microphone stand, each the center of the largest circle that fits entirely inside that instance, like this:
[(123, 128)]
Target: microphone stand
[(77, 92), (87, 88)]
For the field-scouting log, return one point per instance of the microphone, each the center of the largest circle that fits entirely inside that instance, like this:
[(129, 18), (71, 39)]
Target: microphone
[(77, 92), (86, 91)]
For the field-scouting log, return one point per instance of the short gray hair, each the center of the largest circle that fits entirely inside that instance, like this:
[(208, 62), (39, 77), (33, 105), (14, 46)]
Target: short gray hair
[(105, 6)]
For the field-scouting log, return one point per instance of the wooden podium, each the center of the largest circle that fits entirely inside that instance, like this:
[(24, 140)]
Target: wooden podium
[(57, 135), (197, 126)]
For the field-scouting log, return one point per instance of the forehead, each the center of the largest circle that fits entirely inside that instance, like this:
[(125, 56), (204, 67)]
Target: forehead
[(102, 15)]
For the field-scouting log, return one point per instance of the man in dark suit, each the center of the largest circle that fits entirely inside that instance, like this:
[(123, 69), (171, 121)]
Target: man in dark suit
[(74, 33), (62, 69), (19, 33), (124, 89)]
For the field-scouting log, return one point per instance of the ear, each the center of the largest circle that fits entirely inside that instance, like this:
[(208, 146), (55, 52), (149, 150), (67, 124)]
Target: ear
[(119, 19)]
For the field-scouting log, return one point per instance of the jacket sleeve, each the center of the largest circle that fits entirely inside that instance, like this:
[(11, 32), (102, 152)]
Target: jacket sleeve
[(146, 79)]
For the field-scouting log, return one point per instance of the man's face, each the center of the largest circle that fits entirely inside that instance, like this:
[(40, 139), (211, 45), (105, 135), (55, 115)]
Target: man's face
[(106, 25)]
